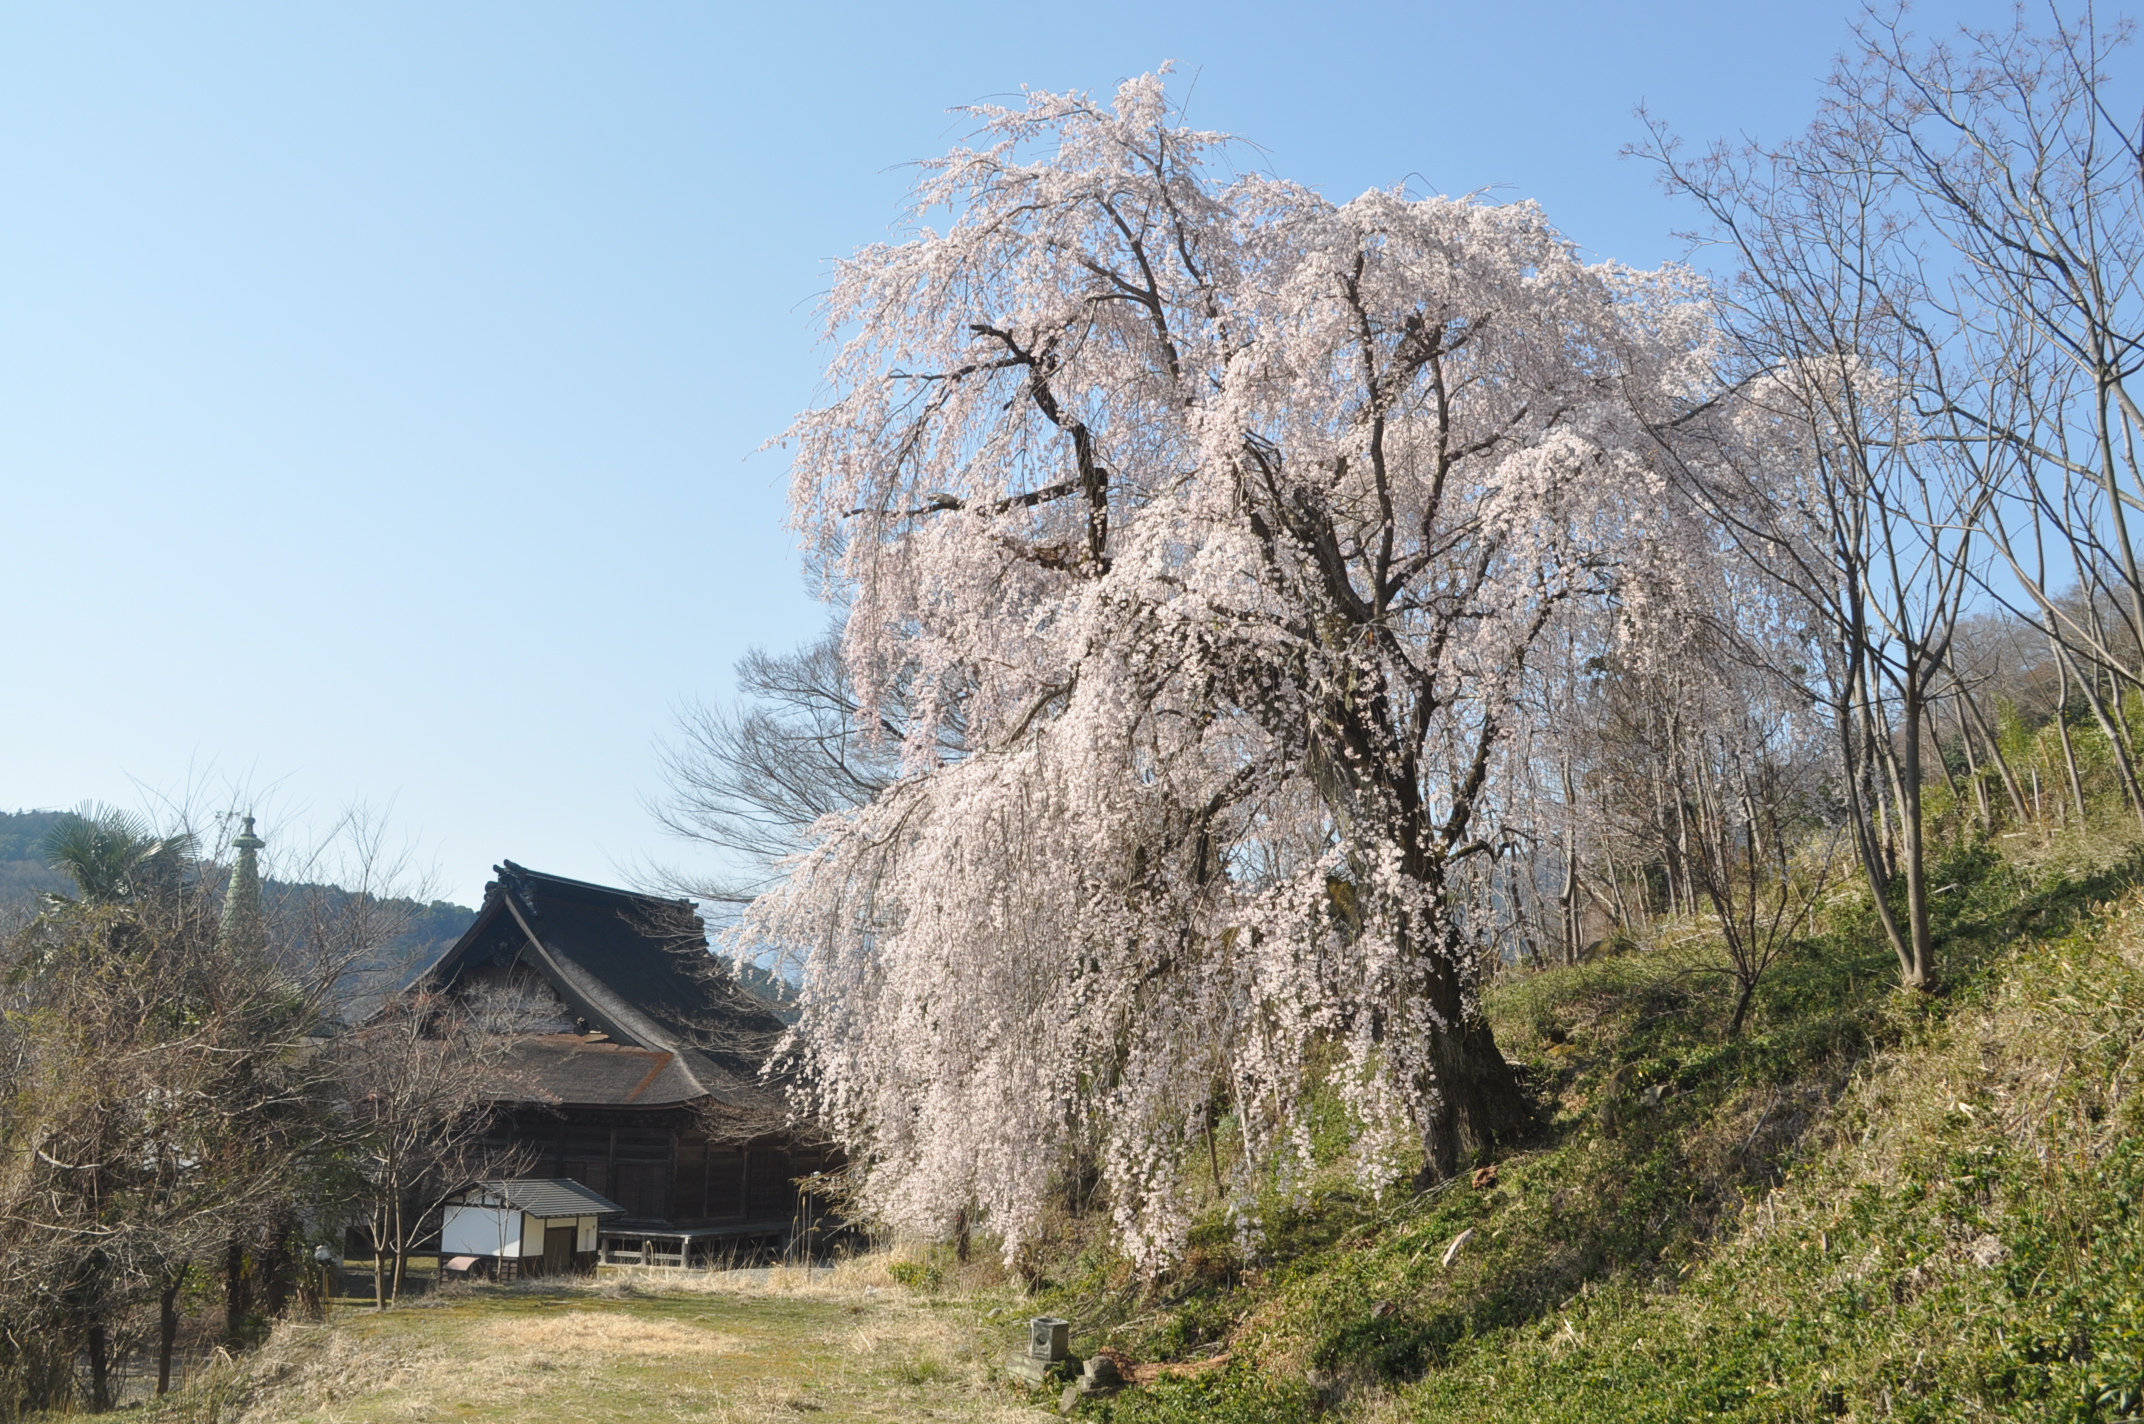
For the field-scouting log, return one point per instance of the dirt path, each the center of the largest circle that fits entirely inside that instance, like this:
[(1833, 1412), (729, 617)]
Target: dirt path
[(627, 1351)]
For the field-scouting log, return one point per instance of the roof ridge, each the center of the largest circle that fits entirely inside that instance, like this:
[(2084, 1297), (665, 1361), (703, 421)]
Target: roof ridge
[(592, 1202), (508, 867)]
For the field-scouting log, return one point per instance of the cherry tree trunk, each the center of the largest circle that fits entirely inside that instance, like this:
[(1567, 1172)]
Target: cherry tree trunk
[(1478, 1102)]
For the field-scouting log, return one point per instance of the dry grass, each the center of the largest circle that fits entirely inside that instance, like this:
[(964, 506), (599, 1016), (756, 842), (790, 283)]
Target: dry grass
[(852, 1278), (571, 1335), (742, 1347)]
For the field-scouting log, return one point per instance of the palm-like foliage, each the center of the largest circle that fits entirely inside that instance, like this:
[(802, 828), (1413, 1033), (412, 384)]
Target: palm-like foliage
[(112, 855)]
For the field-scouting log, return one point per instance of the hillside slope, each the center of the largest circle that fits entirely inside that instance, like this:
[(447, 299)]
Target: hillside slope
[(1865, 1207)]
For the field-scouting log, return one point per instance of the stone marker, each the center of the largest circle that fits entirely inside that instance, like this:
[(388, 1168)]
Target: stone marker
[(1049, 1342)]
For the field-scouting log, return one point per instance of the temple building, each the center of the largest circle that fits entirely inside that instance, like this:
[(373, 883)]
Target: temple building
[(635, 1070)]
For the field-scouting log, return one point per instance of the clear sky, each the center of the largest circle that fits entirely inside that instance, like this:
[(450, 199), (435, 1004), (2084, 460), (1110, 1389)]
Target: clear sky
[(379, 384)]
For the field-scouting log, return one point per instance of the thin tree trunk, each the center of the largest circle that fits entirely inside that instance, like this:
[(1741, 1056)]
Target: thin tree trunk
[(1748, 991), (237, 1293), (1943, 764), (1852, 747), (1661, 836), (401, 1243), (2122, 766), (2062, 726), (274, 1267), (1921, 969), (1995, 754), (1901, 756), (2119, 702), (1615, 879), (1972, 770), (100, 1369), (2107, 377), (1567, 897), (379, 1258), (167, 1325), (1879, 761), (1680, 800)]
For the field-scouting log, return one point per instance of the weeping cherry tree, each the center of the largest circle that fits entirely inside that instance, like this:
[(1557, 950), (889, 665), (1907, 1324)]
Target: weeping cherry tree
[(1228, 523)]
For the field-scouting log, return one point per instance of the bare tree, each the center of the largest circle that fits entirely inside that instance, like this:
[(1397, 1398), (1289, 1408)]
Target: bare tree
[(160, 1100), (1750, 833), (2010, 142), (750, 778), (418, 1086), (1822, 474)]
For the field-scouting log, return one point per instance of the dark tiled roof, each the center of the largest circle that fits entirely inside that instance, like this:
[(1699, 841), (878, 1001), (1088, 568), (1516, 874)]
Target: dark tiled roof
[(549, 1196), (637, 968), (569, 1068)]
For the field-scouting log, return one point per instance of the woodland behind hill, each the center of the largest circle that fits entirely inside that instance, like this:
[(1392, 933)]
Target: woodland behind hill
[(26, 873)]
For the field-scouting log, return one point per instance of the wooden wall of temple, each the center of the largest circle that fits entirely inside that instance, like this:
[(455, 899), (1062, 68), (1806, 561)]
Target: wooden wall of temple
[(660, 1168)]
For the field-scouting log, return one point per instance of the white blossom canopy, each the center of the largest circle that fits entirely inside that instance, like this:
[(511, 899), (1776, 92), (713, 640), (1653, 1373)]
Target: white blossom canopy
[(1227, 518)]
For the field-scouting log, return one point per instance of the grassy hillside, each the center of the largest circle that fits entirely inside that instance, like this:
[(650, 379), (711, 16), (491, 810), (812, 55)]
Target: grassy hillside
[(1865, 1207)]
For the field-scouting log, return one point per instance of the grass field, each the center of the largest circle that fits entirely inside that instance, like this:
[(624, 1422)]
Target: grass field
[(734, 1347)]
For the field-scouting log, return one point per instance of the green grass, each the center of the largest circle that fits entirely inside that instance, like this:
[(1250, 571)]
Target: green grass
[(1866, 1206)]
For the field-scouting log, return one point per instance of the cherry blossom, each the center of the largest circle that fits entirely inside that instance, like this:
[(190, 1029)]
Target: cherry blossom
[(1228, 520)]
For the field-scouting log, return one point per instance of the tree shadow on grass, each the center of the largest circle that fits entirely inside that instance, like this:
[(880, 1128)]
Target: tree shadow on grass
[(1657, 1131), (1654, 1133)]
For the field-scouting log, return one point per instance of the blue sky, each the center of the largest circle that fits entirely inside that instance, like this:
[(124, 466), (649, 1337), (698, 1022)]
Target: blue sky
[(379, 384)]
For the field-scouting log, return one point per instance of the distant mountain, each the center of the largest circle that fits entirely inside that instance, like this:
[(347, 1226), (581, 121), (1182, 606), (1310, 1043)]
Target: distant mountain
[(24, 875), (23, 872), (432, 928)]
